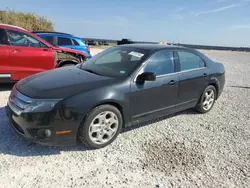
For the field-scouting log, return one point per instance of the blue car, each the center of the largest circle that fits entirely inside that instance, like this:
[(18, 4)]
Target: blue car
[(64, 40)]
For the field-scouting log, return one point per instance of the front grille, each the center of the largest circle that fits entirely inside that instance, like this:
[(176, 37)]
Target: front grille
[(18, 102)]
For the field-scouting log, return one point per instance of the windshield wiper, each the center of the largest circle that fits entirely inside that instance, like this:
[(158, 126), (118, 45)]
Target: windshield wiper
[(91, 71)]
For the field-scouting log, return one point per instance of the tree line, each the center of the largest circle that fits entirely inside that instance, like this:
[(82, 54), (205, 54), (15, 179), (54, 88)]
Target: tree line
[(29, 21)]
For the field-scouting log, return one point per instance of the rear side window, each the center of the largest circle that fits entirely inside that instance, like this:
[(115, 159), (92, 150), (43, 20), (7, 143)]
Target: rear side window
[(64, 41), (190, 61), (75, 42)]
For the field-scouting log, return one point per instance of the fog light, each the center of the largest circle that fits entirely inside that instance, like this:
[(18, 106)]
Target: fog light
[(47, 133), (44, 133)]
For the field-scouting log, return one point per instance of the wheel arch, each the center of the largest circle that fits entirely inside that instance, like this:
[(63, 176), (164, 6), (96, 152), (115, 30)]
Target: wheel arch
[(215, 82), (61, 63), (112, 102), (116, 104), (83, 129)]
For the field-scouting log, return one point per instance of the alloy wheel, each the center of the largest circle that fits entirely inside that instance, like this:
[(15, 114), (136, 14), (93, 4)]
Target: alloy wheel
[(103, 127), (208, 99)]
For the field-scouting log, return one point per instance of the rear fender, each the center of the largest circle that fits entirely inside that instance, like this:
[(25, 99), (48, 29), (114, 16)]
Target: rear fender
[(216, 83)]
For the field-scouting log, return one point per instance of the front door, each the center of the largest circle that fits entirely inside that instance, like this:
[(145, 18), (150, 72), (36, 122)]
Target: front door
[(159, 96), (28, 55), (4, 57), (193, 78)]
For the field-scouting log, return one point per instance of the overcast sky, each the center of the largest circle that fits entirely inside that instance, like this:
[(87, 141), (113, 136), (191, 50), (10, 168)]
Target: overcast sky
[(214, 22)]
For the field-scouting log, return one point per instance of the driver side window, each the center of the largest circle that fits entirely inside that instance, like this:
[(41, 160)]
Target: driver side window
[(161, 63), (17, 38)]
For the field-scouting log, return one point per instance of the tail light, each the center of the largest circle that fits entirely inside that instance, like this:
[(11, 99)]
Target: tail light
[(86, 45), (88, 48)]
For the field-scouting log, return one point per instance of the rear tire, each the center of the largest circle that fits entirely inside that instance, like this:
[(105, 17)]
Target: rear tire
[(101, 126), (207, 100)]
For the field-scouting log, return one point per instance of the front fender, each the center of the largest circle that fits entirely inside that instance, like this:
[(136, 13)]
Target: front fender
[(63, 57), (81, 104)]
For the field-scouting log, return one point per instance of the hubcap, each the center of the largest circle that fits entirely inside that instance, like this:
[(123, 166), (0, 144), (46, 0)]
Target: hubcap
[(208, 99), (103, 127)]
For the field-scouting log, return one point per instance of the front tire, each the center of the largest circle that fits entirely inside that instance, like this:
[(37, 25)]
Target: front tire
[(68, 64), (207, 100), (101, 126)]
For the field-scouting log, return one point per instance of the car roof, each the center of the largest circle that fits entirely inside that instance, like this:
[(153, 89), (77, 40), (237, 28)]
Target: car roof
[(6, 26), (51, 33), (48, 33), (13, 27), (154, 47)]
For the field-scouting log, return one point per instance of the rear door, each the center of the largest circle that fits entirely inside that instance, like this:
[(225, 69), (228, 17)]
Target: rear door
[(193, 78), (4, 57), (77, 46), (28, 55), (66, 42)]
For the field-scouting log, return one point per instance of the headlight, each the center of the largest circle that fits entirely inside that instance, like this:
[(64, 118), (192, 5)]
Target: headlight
[(41, 106)]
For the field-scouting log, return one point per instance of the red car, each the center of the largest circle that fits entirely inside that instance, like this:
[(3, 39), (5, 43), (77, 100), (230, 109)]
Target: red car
[(23, 53)]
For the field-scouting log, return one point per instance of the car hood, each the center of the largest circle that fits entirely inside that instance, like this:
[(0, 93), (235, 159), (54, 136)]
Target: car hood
[(61, 83), (70, 51)]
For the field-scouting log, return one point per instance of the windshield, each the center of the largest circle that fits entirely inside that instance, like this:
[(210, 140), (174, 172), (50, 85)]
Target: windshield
[(115, 62)]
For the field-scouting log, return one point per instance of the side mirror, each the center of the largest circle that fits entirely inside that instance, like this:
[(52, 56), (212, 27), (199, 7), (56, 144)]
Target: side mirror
[(146, 76)]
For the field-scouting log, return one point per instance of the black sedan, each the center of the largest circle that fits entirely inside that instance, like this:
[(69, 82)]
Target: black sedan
[(93, 101)]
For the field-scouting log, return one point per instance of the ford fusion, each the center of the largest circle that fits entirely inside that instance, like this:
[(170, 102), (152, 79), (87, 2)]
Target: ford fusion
[(93, 101)]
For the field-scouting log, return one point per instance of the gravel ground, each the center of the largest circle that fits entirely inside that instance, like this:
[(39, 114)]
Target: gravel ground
[(185, 150)]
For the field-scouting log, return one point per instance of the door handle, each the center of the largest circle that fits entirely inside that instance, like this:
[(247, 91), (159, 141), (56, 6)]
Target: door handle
[(15, 50), (172, 82)]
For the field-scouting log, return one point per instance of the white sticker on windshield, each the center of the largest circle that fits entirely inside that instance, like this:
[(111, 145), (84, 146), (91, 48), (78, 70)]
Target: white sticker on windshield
[(136, 54)]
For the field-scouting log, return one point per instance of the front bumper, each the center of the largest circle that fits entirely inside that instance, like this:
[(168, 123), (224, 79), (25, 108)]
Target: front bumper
[(24, 126)]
